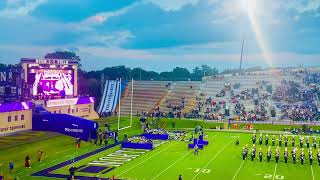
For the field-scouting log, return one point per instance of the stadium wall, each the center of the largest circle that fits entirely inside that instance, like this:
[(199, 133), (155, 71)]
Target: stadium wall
[(79, 107), (17, 120)]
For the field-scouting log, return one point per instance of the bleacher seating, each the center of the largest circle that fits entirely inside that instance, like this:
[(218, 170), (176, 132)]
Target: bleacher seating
[(178, 90), (229, 89), (146, 96)]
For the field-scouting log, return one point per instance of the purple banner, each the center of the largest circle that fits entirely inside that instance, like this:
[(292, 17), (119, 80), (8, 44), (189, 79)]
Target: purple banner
[(65, 124), (137, 145), (156, 136), (85, 100)]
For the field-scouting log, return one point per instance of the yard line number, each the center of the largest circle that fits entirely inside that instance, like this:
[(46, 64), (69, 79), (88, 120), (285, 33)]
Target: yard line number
[(199, 170), (270, 176)]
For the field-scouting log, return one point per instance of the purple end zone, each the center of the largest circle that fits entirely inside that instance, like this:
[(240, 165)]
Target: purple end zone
[(48, 171), (93, 169)]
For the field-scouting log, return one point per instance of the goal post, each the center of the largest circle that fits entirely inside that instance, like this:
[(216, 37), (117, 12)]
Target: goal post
[(119, 105)]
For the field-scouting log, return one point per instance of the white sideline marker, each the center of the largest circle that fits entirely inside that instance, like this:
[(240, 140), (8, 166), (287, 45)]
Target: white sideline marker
[(234, 177), (213, 158), (275, 170)]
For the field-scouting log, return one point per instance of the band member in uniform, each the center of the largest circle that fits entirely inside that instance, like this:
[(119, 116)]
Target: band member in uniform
[(310, 156), (273, 140), (285, 155), (254, 138), (280, 140), (301, 142), (243, 153), (269, 154), (260, 154), (294, 155), (308, 142), (246, 150), (293, 141), (286, 141), (253, 153), (302, 156), (277, 155), (267, 140), (314, 142), (260, 139)]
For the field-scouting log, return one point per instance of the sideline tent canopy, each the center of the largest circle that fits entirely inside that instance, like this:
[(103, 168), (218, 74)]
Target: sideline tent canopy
[(65, 124)]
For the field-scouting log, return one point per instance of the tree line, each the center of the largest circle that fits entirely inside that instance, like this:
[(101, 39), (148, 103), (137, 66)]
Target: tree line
[(177, 74), (89, 82)]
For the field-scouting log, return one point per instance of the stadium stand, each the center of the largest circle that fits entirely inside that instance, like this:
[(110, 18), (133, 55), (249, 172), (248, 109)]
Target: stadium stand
[(254, 96), (146, 96), (181, 97)]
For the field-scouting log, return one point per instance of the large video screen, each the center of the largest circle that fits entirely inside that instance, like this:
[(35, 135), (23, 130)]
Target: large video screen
[(51, 82)]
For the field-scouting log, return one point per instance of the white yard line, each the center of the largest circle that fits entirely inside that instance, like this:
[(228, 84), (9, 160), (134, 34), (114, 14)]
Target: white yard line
[(275, 170), (146, 159), (154, 156), (178, 160), (185, 154), (234, 177), (213, 158), (312, 172)]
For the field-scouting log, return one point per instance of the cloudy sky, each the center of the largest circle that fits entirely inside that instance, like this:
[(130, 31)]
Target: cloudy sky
[(161, 34)]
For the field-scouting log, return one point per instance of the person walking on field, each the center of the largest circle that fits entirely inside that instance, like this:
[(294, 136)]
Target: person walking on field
[(72, 171), (196, 149), (11, 166), (40, 154), (27, 162)]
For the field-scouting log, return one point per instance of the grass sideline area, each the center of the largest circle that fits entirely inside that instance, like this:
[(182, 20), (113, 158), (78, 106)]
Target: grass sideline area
[(61, 148), (191, 123)]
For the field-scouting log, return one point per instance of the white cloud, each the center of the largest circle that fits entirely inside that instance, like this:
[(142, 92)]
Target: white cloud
[(172, 5), (102, 17), (113, 39), (304, 6), (17, 8)]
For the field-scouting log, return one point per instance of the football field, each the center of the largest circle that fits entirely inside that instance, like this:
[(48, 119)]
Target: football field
[(221, 159)]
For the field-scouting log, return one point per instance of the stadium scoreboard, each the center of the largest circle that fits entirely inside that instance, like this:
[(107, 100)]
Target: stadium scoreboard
[(46, 77)]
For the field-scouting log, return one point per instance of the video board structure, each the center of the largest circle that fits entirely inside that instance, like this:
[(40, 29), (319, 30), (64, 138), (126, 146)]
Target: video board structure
[(51, 78)]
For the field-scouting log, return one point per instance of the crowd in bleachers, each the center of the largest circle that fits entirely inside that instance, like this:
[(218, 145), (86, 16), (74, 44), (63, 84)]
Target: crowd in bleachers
[(246, 100), (302, 112)]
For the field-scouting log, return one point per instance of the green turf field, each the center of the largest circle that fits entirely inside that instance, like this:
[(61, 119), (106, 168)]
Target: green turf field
[(221, 159)]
